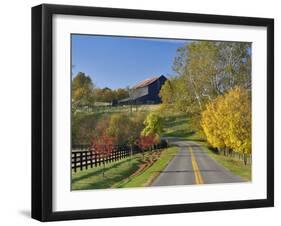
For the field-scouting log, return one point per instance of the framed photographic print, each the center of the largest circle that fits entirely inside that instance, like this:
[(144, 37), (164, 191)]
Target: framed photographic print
[(145, 112)]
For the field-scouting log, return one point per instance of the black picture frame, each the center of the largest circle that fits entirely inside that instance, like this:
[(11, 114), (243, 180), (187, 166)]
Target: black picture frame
[(42, 197)]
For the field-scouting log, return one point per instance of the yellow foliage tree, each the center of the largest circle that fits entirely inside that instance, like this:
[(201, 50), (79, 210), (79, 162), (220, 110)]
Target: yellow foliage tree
[(226, 121), (210, 122)]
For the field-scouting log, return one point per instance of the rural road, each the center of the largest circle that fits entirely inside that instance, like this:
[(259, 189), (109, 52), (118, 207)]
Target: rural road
[(192, 165)]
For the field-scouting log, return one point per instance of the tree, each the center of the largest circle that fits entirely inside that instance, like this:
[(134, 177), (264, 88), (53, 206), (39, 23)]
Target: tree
[(213, 121), (166, 93), (145, 142), (153, 126), (82, 127), (195, 64), (237, 104), (108, 95), (102, 146), (135, 125), (226, 121), (233, 66), (206, 69), (125, 129), (121, 94), (119, 127), (82, 89)]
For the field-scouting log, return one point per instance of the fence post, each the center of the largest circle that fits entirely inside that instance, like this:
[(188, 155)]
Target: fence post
[(86, 153), (81, 161), (95, 157), (91, 156), (75, 159)]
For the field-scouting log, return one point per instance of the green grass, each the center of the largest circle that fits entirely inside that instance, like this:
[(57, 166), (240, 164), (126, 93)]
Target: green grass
[(147, 176), (118, 174), (176, 125), (114, 172), (234, 165), (179, 125)]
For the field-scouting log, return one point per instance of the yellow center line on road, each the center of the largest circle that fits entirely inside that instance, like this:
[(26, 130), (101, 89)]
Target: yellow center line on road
[(196, 170)]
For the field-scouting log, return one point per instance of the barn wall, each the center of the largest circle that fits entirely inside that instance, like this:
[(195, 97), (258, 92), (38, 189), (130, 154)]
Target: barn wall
[(153, 91)]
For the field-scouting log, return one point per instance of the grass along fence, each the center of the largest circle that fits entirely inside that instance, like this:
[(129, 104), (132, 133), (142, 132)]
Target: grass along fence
[(82, 158)]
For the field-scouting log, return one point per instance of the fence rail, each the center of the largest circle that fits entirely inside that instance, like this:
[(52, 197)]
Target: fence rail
[(83, 158), (87, 158)]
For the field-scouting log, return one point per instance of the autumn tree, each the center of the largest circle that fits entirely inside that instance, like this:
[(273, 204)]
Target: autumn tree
[(119, 127), (82, 89), (102, 146), (135, 127), (83, 127), (213, 122), (146, 142), (226, 121), (120, 94), (108, 95)]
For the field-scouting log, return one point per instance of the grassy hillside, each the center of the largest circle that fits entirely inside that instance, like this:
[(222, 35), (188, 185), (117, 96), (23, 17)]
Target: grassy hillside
[(179, 125)]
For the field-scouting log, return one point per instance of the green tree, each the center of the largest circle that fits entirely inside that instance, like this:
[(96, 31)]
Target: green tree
[(206, 69), (166, 93), (153, 126)]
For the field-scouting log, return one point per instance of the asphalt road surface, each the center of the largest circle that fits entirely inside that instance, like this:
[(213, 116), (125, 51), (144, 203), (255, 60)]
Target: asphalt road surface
[(192, 165)]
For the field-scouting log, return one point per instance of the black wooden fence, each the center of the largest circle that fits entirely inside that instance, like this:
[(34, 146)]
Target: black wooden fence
[(87, 158), (83, 158)]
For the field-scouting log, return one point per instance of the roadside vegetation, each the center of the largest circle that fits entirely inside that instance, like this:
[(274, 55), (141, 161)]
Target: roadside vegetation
[(233, 164), (146, 177)]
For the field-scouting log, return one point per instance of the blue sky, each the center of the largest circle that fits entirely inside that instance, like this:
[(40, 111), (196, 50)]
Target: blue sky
[(118, 62)]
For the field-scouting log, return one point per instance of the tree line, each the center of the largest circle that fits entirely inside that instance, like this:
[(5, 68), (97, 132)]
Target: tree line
[(84, 91), (213, 85)]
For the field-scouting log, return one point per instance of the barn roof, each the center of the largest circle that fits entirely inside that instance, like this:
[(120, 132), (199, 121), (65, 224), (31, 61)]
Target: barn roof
[(145, 82)]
